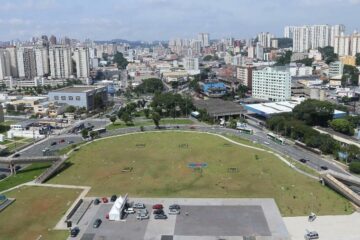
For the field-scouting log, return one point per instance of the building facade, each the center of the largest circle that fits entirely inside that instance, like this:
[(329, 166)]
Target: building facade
[(272, 83), (82, 61), (60, 61)]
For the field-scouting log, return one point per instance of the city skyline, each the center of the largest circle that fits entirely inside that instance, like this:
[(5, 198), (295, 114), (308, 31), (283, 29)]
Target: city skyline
[(150, 20)]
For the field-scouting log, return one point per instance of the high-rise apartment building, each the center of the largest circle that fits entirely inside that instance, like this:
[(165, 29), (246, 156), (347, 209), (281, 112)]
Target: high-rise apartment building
[(13, 61), (60, 61), (26, 62), (205, 39), (272, 83), (312, 37), (5, 70), (336, 30), (42, 61), (342, 45), (264, 39), (82, 61), (244, 75)]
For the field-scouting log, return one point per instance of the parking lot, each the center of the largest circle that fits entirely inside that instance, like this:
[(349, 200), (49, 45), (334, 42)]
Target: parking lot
[(203, 219)]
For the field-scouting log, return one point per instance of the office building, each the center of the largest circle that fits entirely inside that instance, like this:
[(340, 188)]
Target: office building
[(272, 83), (60, 61), (204, 38), (80, 96), (191, 65), (82, 61), (26, 62), (336, 69)]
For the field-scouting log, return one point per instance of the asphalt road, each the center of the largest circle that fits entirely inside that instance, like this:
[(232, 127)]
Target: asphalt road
[(295, 152)]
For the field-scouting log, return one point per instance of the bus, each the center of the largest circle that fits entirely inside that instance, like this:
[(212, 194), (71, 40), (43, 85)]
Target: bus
[(242, 127), (100, 130), (276, 138)]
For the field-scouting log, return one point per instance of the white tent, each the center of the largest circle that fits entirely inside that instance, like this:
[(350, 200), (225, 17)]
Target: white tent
[(116, 209)]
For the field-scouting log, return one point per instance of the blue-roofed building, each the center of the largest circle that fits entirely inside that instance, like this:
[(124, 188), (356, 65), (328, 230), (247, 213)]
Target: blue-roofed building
[(214, 89)]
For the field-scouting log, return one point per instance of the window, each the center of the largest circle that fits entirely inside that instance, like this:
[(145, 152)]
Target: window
[(56, 97), (63, 98), (77, 98), (71, 98)]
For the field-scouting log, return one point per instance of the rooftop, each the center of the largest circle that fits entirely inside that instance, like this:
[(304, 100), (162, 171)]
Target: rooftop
[(77, 89), (218, 107)]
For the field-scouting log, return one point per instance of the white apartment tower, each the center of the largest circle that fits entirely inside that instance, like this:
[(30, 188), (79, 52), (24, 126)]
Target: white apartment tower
[(205, 39), (5, 70), (301, 39), (13, 61), (82, 61), (336, 30), (42, 61), (272, 83), (265, 39), (320, 36), (26, 62), (342, 45), (60, 61)]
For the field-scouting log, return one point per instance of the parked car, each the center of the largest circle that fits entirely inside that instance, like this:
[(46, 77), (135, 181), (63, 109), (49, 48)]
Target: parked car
[(139, 205), (62, 141), (97, 223), (174, 212), (303, 160), (53, 143), (324, 167), (129, 211), (97, 201), (158, 206), (160, 216), (312, 235), (142, 211), (16, 155), (105, 200), (74, 232), (113, 198), (142, 216), (175, 206), (158, 211)]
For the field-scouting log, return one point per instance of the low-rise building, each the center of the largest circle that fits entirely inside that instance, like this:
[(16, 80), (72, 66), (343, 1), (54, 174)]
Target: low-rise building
[(80, 96)]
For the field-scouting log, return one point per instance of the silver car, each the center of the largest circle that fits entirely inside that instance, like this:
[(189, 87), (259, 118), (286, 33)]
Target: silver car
[(142, 216), (174, 212)]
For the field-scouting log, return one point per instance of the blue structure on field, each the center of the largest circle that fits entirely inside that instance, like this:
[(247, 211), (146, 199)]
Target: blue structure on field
[(214, 89)]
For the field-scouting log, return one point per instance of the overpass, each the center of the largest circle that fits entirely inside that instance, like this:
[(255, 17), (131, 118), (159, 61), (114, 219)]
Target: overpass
[(339, 182), (27, 160)]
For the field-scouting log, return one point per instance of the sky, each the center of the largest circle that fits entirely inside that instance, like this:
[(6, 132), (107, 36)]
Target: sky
[(150, 20)]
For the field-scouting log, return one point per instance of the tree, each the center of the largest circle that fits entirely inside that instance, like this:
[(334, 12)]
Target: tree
[(98, 101), (328, 54), (208, 58), (354, 167), (342, 126), (147, 112), (126, 118), (233, 123), (94, 134), (120, 60), (85, 133), (156, 118), (70, 109), (284, 59), (314, 112), (357, 59), (150, 85), (307, 61), (113, 119), (350, 73)]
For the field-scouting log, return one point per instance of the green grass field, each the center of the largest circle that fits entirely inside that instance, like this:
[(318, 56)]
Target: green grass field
[(160, 170), (148, 122), (36, 212), (25, 175)]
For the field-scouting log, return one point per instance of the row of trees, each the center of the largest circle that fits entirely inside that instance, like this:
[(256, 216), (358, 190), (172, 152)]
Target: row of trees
[(171, 105)]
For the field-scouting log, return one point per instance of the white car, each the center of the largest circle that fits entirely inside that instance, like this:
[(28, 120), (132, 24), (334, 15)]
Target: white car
[(129, 211), (142, 216), (174, 212)]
